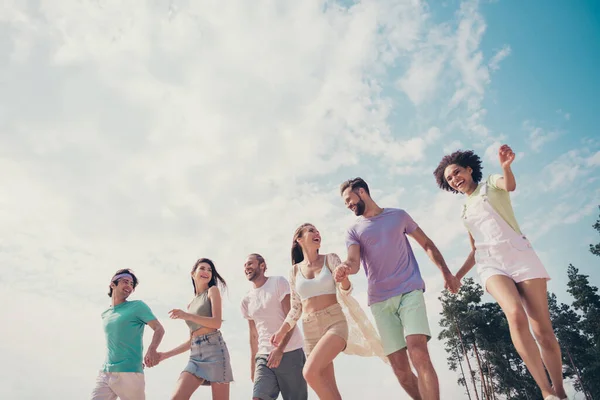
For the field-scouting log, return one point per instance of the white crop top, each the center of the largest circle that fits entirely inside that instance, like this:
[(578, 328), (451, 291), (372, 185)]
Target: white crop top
[(321, 284)]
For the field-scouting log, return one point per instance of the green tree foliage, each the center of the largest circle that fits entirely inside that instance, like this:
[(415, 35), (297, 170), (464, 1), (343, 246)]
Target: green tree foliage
[(587, 303), (595, 248), (485, 334), (575, 346)]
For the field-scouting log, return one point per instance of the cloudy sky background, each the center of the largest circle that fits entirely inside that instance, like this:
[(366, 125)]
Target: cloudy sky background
[(146, 134)]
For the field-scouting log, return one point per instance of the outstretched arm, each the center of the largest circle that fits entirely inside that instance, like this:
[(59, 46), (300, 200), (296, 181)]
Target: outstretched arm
[(450, 281), (469, 262), (152, 358), (209, 322), (177, 350), (349, 267), (506, 156)]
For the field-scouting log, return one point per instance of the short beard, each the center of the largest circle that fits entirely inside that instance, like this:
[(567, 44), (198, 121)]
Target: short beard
[(360, 208), (253, 276)]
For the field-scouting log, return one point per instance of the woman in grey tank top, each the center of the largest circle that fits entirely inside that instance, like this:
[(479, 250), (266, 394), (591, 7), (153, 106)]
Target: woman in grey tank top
[(209, 362)]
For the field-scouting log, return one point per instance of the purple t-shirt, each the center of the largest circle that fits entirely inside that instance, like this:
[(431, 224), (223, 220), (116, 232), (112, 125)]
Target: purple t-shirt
[(385, 253)]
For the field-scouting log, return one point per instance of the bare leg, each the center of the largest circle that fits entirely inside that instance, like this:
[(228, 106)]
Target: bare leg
[(328, 347), (504, 290), (220, 391), (535, 298), (186, 386), (329, 375), (429, 387), (408, 380)]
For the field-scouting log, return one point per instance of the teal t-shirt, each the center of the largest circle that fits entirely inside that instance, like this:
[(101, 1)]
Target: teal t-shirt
[(124, 330)]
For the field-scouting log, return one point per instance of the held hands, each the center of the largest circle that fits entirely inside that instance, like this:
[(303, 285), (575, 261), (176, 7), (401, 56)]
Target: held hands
[(452, 283), (178, 314), (341, 272), (506, 156), (152, 358)]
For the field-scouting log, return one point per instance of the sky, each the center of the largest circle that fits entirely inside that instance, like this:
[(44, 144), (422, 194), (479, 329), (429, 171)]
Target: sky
[(147, 134)]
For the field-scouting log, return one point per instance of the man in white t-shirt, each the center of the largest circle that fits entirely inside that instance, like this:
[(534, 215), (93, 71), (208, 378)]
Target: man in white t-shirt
[(274, 370)]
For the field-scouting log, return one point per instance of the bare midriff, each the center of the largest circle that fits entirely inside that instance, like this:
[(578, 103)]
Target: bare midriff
[(203, 331), (318, 303)]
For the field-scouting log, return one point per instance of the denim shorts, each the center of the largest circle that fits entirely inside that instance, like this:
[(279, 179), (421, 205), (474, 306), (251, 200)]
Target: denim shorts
[(209, 359)]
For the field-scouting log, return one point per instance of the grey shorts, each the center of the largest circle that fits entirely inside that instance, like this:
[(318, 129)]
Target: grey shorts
[(286, 378)]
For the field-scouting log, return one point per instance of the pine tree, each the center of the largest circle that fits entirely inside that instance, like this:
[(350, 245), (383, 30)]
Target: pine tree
[(455, 310), (587, 302), (575, 346), (494, 365), (595, 249)]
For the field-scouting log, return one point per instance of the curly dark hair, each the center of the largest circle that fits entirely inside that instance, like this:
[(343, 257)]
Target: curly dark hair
[(465, 159)]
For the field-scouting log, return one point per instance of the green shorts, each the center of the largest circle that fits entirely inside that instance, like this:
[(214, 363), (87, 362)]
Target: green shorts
[(400, 316)]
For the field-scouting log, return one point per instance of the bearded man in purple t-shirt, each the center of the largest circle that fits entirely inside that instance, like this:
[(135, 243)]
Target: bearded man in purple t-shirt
[(378, 239)]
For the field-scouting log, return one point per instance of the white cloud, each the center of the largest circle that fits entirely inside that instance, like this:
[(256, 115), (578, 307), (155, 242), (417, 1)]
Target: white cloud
[(539, 136), (453, 146), (147, 135), (570, 166), (593, 160), (421, 79), (494, 63), (491, 152)]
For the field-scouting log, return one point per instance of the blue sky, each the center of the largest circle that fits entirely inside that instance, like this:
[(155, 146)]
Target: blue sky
[(147, 135)]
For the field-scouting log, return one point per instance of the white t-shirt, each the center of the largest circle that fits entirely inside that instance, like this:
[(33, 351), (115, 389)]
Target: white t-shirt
[(263, 306)]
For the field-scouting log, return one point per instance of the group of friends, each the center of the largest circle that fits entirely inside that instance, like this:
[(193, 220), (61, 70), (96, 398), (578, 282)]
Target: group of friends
[(286, 361)]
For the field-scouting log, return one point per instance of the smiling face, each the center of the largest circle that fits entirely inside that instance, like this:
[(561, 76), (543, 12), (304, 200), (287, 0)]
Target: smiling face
[(123, 288), (353, 200), (253, 269), (202, 274), (459, 178), (310, 238)]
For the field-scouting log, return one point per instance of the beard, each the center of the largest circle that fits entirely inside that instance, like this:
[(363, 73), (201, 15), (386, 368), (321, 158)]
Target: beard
[(253, 275), (360, 208)]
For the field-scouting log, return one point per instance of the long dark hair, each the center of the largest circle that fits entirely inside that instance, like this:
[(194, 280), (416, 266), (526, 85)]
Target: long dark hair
[(297, 254), (215, 277)]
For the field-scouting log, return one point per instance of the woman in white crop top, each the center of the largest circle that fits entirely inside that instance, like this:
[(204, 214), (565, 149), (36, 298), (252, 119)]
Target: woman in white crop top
[(327, 332)]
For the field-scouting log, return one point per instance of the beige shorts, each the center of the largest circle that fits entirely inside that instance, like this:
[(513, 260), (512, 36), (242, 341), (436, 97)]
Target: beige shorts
[(124, 385), (328, 320)]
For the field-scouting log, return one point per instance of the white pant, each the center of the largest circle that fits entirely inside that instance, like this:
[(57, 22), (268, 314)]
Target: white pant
[(122, 385)]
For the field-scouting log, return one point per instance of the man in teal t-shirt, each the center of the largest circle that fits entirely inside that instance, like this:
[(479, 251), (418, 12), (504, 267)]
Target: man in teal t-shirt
[(122, 375)]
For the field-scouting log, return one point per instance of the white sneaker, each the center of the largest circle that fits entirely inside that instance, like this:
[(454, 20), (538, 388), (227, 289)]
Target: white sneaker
[(551, 397)]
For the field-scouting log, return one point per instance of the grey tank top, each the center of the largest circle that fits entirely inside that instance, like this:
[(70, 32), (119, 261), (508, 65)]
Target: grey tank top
[(201, 306)]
